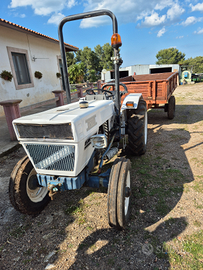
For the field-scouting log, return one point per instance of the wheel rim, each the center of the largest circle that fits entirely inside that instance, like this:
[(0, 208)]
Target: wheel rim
[(35, 195), (145, 128), (127, 199)]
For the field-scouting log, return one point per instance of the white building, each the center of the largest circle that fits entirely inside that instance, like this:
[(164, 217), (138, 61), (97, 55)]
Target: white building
[(141, 69), (22, 52)]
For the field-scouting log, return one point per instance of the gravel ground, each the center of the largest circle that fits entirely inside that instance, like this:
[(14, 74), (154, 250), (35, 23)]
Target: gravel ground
[(72, 232)]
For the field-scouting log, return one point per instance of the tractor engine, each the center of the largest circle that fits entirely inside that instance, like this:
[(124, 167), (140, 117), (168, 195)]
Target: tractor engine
[(57, 141)]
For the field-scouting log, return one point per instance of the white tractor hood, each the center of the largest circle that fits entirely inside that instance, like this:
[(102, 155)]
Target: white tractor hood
[(82, 121)]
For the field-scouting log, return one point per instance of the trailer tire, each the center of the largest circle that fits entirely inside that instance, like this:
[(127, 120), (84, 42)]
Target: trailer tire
[(112, 193), (124, 194), (25, 194), (137, 130), (171, 107)]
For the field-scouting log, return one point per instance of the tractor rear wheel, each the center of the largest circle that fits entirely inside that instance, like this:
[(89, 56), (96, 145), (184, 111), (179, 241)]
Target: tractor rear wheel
[(137, 130), (26, 195)]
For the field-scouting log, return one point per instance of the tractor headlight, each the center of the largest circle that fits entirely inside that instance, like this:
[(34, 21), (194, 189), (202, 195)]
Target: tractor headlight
[(99, 141)]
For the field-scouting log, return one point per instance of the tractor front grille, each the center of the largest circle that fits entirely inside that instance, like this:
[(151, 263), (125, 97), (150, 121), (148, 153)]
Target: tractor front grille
[(52, 157), (45, 131)]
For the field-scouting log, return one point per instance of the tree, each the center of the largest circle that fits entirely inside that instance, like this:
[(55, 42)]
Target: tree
[(169, 56), (104, 54), (100, 55), (92, 61), (76, 73), (108, 53), (195, 63), (70, 58)]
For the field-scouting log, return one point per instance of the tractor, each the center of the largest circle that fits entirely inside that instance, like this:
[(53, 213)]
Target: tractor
[(63, 145)]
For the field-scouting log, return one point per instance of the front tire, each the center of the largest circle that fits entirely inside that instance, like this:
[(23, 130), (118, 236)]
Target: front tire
[(119, 192), (112, 193), (24, 191), (124, 194), (137, 130)]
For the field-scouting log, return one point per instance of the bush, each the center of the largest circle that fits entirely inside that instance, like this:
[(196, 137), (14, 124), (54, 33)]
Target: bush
[(6, 75)]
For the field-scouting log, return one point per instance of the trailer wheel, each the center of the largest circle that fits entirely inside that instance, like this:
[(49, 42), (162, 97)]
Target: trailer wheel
[(124, 194), (24, 191), (137, 130), (171, 107), (112, 193)]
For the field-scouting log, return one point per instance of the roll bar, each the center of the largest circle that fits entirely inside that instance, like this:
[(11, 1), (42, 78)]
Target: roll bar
[(80, 16)]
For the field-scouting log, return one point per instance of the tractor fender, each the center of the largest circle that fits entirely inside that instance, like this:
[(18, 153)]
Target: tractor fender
[(135, 98)]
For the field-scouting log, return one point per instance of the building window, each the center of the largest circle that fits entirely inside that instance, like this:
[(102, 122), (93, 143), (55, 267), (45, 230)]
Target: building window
[(20, 68)]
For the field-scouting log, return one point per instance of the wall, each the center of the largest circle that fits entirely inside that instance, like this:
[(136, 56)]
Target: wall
[(138, 69), (39, 48), (141, 69), (175, 67)]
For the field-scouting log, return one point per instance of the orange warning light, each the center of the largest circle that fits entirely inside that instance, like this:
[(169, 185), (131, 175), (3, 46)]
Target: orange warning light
[(116, 41)]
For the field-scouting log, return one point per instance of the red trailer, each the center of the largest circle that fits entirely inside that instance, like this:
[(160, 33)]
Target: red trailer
[(156, 89)]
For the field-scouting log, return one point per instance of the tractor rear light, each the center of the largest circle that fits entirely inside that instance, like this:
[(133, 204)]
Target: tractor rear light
[(130, 104), (99, 141), (116, 41)]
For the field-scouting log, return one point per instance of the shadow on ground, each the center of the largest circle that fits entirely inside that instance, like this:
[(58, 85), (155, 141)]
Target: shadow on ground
[(74, 225)]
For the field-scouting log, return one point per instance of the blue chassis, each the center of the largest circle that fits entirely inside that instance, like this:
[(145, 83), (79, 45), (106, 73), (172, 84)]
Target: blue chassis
[(70, 183)]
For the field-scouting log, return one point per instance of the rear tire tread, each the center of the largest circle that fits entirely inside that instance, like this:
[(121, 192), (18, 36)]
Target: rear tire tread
[(136, 130)]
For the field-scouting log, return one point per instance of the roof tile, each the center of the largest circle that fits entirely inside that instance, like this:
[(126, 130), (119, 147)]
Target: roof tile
[(34, 32)]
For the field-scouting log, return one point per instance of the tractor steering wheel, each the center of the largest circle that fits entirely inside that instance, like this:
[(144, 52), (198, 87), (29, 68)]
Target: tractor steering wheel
[(90, 92), (113, 92), (108, 93)]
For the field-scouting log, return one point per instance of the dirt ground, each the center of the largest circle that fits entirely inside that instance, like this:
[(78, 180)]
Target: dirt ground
[(166, 216)]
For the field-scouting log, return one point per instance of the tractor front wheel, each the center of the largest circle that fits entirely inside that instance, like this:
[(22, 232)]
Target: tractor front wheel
[(124, 194), (119, 192), (26, 195)]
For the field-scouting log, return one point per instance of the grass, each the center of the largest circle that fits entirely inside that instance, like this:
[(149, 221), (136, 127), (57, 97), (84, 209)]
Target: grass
[(2, 247), (157, 183), (19, 231), (162, 207), (89, 228), (198, 206), (42, 251), (198, 186), (197, 223), (188, 254), (28, 252), (157, 247), (169, 181), (72, 209), (27, 261), (177, 137), (111, 261), (78, 211), (82, 245)]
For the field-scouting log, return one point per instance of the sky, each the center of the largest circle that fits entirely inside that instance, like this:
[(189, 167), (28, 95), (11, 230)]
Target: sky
[(145, 26)]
